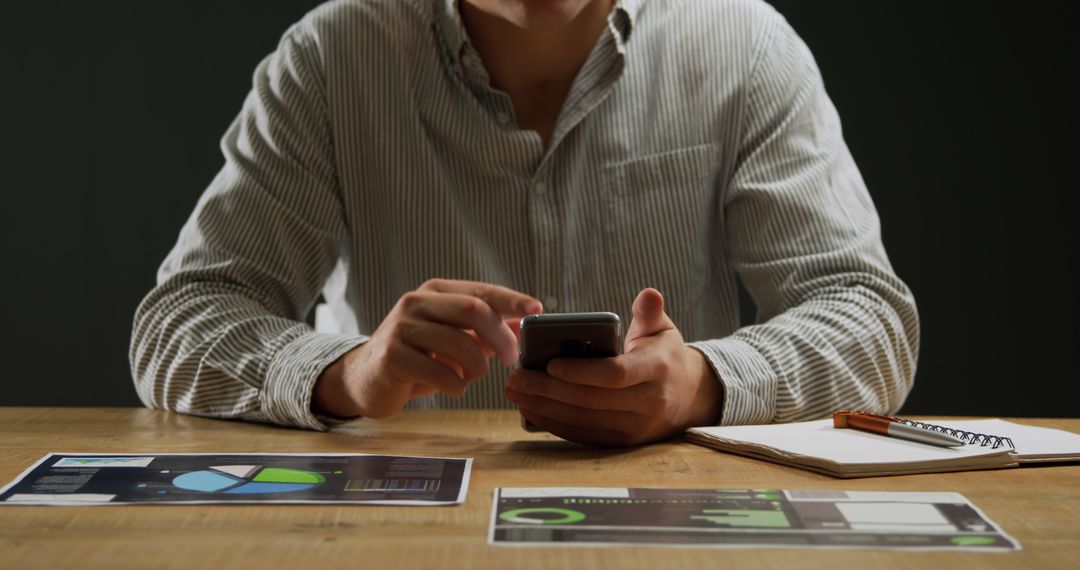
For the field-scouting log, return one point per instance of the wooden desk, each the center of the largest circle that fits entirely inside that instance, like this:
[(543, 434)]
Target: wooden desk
[(1039, 506)]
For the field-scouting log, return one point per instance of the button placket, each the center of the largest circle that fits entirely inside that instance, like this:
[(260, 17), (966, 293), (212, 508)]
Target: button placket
[(546, 226)]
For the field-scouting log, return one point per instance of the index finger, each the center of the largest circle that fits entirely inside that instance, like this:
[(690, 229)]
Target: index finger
[(504, 300), (615, 372)]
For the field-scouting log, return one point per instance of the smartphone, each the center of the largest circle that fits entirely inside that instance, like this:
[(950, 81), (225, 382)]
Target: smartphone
[(569, 335)]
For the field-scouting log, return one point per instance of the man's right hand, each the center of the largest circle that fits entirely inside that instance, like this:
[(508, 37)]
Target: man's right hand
[(437, 338)]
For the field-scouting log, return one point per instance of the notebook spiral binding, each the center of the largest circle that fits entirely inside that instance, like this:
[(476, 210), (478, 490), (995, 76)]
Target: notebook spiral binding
[(969, 437)]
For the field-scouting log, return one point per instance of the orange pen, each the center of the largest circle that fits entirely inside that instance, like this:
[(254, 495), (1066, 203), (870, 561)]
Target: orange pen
[(885, 425)]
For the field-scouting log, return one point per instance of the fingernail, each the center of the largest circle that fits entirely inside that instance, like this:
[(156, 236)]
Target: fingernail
[(555, 368)]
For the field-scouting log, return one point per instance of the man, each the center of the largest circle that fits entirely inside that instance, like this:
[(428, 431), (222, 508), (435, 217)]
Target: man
[(440, 169)]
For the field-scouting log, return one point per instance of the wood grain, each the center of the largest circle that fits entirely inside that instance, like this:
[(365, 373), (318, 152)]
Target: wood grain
[(1039, 506)]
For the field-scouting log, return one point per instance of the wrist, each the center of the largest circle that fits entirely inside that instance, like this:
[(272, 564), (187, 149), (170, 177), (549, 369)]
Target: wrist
[(708, 404), (331, 395)]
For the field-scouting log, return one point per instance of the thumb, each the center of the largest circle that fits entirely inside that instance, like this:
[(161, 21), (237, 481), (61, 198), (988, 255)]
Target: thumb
[(649, 318)]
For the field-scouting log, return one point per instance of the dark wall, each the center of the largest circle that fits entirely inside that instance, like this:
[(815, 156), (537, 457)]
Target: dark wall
[(957, 113)]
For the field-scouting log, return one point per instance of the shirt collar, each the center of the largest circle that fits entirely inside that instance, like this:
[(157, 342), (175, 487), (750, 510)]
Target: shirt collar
[(452, 29)]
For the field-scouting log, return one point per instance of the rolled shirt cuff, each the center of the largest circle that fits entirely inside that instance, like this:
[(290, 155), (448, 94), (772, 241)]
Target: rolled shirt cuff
[(748, 379), (290, 378)]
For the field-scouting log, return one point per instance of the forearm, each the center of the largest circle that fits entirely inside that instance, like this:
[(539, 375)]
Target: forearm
[(209, 349), (852, 344)]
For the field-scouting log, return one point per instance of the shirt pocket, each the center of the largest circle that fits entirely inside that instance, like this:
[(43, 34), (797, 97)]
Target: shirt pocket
[(658, 212)]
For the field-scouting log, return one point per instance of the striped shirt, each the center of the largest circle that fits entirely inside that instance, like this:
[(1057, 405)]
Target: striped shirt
[(696, 147)]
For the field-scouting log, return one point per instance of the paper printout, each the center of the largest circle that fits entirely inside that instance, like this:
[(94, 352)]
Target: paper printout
[(742, 518), (97, 479)]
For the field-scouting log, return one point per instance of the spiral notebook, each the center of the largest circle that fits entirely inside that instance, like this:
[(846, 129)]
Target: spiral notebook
[(817, 446)]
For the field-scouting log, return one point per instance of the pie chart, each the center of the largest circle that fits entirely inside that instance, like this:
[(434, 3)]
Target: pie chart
[(247, 479)]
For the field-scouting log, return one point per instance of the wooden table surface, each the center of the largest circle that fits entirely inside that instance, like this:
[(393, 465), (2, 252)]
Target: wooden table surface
[(1039, 506)]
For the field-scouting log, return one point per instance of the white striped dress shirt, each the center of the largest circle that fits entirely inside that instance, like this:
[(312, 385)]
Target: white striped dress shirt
[(696, 147)]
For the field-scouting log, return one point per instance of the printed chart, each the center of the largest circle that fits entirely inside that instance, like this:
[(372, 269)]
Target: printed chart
[(236, 479), (89, 479)]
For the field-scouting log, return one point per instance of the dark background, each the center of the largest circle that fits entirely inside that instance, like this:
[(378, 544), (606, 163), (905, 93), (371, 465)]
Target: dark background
[(957, 113)]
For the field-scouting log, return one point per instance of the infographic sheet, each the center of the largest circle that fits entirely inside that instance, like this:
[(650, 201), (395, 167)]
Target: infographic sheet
[(742, 518), (105, 479)]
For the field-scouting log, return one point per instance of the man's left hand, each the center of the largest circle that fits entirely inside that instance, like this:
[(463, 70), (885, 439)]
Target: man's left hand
[(657, 388)]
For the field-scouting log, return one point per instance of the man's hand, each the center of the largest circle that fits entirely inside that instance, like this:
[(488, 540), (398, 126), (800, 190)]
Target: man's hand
[(657, 388), (436, 339)]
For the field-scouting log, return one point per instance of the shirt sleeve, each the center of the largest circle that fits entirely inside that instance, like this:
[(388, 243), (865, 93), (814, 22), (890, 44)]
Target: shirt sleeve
[(837, 328), (222, 334)]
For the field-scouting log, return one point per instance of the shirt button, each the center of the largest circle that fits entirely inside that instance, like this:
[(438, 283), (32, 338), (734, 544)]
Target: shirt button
[(551, 303), (502, 117), (540, 188)]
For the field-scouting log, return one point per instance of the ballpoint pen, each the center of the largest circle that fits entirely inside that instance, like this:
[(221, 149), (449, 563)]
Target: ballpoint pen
[(885, 425)]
